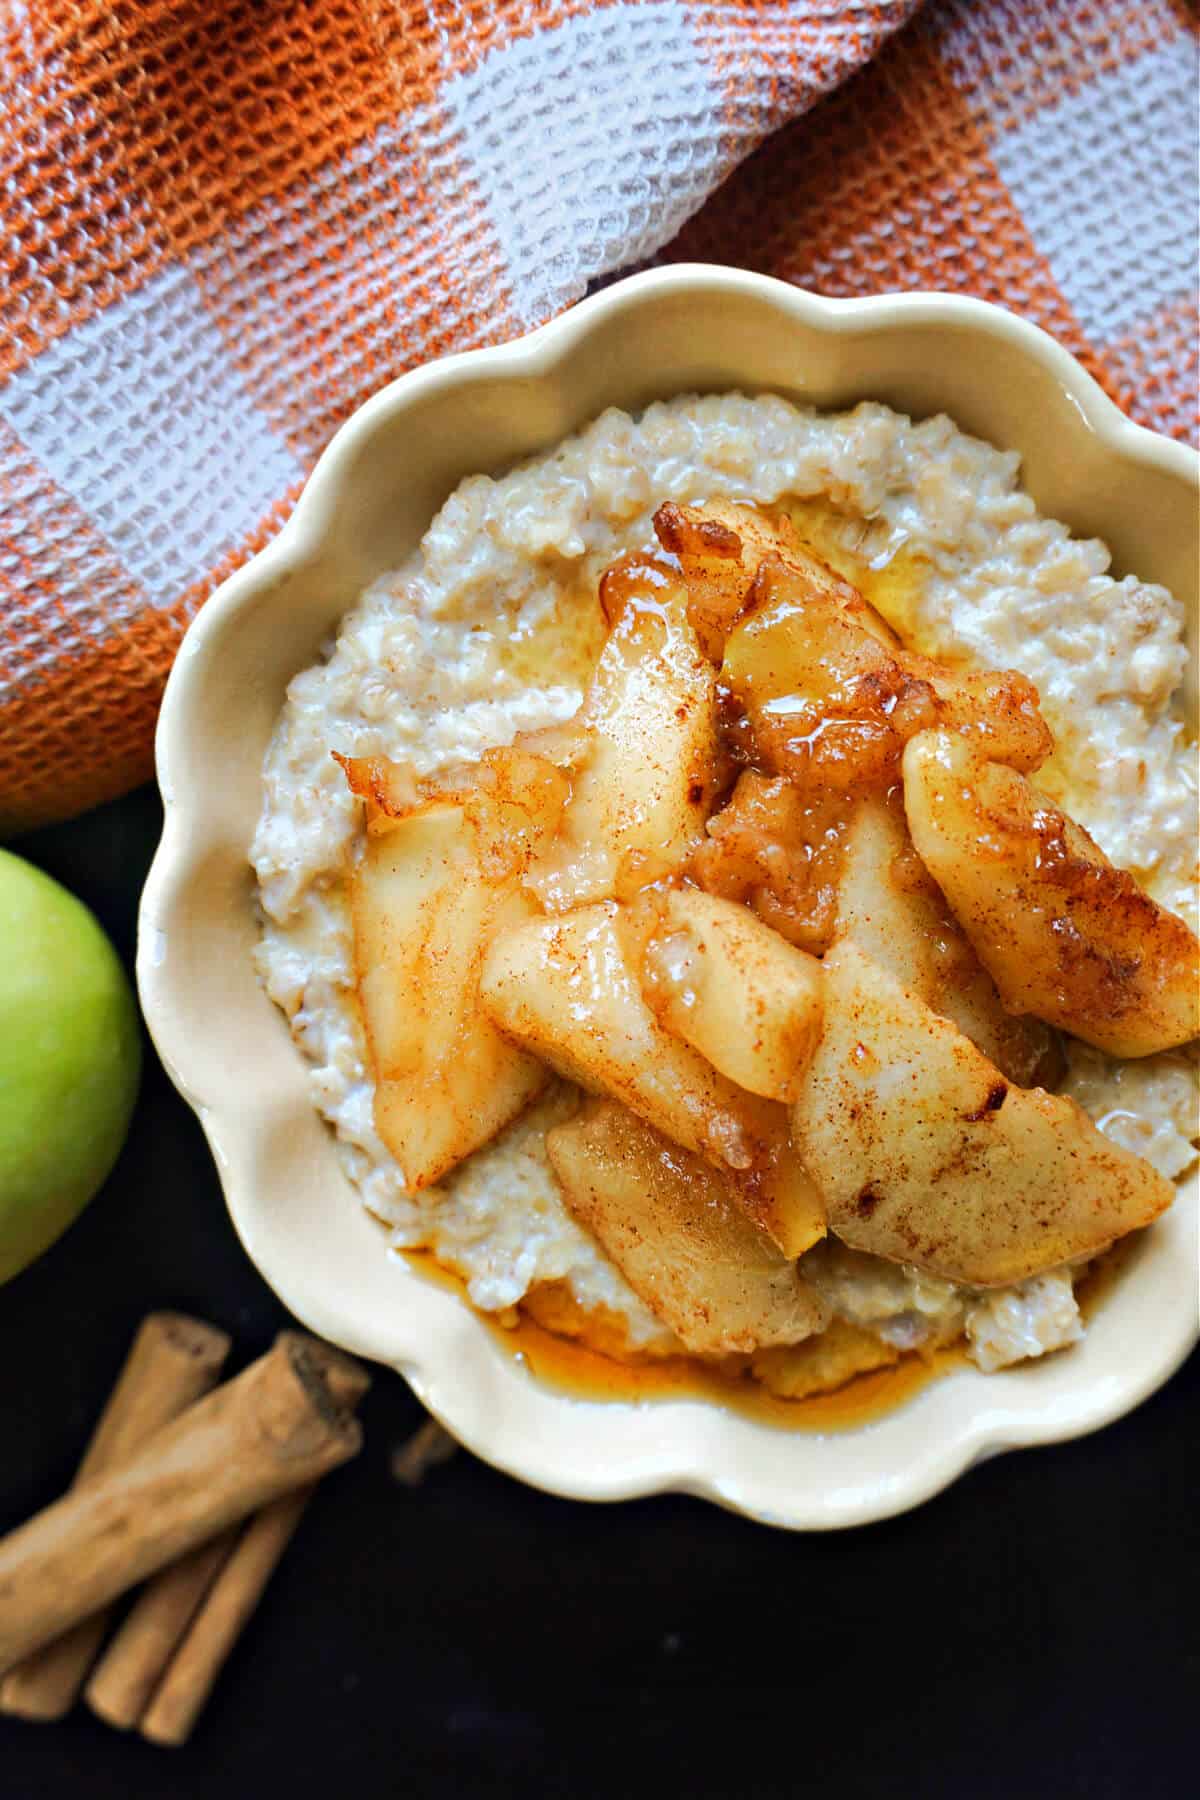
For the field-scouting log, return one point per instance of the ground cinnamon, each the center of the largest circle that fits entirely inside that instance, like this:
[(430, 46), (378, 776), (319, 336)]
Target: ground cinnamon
[(276, 1427), (173, 1361)]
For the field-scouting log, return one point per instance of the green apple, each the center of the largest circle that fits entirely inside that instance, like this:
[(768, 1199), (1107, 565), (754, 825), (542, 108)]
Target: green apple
[(70, 1058)]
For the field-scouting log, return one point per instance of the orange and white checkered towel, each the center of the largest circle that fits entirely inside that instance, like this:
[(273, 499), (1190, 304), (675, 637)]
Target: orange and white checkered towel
[(228, 221)]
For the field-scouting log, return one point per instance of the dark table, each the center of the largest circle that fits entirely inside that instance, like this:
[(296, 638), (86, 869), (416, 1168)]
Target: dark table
[(1030, 1632)]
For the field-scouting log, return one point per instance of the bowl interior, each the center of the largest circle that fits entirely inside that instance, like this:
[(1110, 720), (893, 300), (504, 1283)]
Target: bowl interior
[(229, 1049)]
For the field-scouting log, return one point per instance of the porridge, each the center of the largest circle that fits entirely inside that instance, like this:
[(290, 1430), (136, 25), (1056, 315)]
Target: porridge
[(492, 630)]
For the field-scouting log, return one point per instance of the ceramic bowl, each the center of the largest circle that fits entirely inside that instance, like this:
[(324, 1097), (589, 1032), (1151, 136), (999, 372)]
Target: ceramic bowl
[(229, 1051)]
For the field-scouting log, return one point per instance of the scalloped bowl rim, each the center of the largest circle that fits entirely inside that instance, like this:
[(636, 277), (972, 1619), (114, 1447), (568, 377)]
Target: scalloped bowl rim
[(609, 1450)]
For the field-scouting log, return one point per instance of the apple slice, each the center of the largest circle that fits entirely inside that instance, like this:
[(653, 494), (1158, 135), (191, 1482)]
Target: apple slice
[(647, 779), (831, 703), (892, 909), (733, 989), (826, 682), (720, 548), (512, 797), (425, 895), (566, 990), (389, 789), (778, 850), (926, 1155), (1062, 933), (674, 1228)]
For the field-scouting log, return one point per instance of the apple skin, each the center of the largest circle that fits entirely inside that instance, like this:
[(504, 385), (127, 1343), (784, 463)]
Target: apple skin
[(70, 1060)]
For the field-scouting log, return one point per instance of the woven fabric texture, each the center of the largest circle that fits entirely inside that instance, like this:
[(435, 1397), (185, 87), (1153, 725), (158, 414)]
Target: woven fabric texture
[(226, 222)]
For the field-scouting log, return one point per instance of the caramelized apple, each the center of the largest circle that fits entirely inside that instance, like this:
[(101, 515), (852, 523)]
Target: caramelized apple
[(780, 852), (892, 909), (390, 789), (577, 903), (831, 705), (423, 908), (720, 548), (734, 990), (647, 779), (512, 797), (674, 1228), (829, 689), (1062, 933), (926, 1155), (565, 989)]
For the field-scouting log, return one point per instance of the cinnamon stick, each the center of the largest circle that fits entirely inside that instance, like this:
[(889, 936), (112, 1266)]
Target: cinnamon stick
[(133, 1664), (346, 1379), (276, 1427), (173, 1361), (131, 1668), (428, 1446), (217, 1626)]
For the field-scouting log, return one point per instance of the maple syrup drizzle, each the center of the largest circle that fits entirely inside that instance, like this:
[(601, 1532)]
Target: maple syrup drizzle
[(569, 1367)]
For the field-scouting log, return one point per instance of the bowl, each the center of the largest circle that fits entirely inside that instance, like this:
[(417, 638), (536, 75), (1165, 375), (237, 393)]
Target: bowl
[(229, 1050)]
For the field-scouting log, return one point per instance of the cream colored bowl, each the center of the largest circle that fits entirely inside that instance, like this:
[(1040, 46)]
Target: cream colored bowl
[(229, 1051)]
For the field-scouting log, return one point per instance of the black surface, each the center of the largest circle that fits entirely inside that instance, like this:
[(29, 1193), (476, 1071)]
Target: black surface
[(1031, 1632)]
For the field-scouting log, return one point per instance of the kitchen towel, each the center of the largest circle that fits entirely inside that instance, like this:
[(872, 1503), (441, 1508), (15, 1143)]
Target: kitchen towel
[(229, 221)]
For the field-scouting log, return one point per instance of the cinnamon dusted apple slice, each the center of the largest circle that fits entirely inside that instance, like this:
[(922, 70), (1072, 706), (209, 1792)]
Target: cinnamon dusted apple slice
[(425, 895), (829, 702), (674, 1228), (566, 990), (1062, 933), (720, 547), (926, 1155), (389, 789), (732, 988), (892, 909), (650, 768), (846, 695), (513, 797)]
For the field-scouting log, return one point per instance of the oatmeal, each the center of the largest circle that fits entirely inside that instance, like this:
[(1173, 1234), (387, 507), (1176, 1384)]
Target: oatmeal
[(492, 628)]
